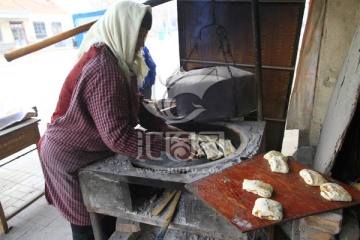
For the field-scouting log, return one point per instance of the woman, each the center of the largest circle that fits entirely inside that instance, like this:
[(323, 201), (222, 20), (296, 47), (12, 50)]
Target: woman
[(98, 109)]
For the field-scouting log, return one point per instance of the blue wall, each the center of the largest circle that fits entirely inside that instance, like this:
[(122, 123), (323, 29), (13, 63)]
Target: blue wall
[(83, 18)]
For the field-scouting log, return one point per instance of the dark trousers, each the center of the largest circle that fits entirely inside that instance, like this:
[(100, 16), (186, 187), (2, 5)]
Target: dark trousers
[(108, 224)]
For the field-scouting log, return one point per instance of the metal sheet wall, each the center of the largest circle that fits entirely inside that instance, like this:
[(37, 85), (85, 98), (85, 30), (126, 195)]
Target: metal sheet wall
[(280, 24)]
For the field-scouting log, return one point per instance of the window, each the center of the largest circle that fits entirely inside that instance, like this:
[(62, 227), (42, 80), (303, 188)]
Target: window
[(40, 30), (56, 27), (18, 32)]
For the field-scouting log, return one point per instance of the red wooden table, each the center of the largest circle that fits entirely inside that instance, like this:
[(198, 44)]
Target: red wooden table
[(223, 193)]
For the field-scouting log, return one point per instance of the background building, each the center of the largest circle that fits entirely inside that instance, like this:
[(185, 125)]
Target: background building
[(26, 22)]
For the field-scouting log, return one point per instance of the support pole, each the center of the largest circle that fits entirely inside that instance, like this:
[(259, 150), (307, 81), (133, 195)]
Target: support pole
[(257, 47)]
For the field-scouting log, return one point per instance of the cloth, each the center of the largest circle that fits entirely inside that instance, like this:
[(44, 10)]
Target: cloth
[(119, 39), (99, 122), (150, 78)]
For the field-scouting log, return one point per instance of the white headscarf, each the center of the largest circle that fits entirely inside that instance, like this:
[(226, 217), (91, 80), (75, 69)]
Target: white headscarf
[(119, 28)]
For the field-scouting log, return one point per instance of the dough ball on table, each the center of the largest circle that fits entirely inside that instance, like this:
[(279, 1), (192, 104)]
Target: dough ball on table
[(334, 192), (274, 155), (312, 177), (258, 187), (278, 165), (269, 209), (277, 161)]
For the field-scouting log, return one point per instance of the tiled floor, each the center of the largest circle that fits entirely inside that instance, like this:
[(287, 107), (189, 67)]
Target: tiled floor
[(20, 181)]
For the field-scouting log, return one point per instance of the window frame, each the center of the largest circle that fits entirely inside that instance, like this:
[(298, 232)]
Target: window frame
[(40, 29)]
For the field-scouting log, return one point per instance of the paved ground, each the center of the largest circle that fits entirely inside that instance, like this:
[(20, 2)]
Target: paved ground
[(21, 179)]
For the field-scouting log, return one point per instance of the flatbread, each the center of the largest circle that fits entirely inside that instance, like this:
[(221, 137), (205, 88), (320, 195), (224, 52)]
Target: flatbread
[(196, 146), (226, 146), (334, 192), (257, 187), (269, 209), (312, 177), (207, 146), (211, 150), (203, 138)]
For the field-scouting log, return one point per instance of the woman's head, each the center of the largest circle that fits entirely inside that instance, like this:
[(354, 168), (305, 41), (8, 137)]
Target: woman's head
[(120, 29), (144, 29), (146, 21)]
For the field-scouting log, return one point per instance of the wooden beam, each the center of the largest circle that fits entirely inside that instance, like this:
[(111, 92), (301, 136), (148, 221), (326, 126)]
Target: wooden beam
[(341, 109)]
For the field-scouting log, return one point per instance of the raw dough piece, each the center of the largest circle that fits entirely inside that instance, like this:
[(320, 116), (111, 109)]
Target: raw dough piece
[(334, 192), (226, 146), (258, 187), (269, 209), (275, 154), (278, 165), (312, 177)]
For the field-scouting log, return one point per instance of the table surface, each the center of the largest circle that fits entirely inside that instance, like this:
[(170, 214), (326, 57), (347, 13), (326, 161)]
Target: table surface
[(18, 126)]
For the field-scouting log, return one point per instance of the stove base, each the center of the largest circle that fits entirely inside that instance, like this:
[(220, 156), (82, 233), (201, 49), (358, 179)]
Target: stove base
[(149, 232)]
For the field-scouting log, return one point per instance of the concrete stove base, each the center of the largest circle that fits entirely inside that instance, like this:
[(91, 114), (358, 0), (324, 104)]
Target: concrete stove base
[(149, 232), (108, 188)]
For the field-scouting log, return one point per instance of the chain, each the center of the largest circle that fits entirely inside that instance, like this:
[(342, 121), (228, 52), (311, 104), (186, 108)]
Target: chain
[(224, 47)]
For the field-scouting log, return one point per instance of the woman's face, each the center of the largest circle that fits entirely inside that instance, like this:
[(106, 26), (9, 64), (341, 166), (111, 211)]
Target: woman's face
[(141, 39)]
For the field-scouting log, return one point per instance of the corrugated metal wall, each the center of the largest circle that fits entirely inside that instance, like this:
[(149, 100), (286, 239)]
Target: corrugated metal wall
[(280, 24)]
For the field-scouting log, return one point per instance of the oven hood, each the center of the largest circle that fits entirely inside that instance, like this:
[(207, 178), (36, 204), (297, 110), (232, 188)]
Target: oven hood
[(212, 94)]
